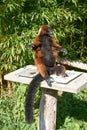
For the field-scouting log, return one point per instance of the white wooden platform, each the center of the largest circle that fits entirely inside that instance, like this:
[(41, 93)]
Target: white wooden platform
[(73, 86)]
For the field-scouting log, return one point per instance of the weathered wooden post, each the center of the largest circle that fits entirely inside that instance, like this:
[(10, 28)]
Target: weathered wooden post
[(47, 114)]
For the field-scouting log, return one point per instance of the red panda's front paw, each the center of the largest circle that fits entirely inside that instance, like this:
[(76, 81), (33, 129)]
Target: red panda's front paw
[(31, 47), (64, 51)]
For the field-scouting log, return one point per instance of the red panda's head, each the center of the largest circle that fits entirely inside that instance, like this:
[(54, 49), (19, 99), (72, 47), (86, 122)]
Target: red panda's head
[(45, 29)]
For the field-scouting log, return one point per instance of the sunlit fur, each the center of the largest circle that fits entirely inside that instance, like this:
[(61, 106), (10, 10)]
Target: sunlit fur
[(42, 29)]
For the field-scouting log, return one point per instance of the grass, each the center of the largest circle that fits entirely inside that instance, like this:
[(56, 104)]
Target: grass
[(71, 111)]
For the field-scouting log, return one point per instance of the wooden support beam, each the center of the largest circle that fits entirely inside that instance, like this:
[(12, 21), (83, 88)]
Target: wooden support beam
[(79, 65), (48, 108)]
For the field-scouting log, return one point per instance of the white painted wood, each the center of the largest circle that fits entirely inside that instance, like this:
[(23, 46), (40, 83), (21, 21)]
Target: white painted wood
[(78, 65), (73, 86), (48, 108), (13, 76)]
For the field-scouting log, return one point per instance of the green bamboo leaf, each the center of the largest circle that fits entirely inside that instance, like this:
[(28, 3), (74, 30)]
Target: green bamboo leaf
[(23, 47), (12, 51)]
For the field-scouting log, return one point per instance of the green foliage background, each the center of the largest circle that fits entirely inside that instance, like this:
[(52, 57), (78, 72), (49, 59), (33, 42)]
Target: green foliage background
[(20, 21)]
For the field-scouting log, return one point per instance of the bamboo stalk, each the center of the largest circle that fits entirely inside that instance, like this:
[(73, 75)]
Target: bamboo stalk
[(82, 43), (71, 40)]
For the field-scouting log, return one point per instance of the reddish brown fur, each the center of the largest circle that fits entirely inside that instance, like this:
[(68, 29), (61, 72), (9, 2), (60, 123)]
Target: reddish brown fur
[(38, 62)]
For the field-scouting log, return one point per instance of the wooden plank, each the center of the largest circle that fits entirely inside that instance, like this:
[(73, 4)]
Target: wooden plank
[(78, 65), (13, 76), (74, 86)]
